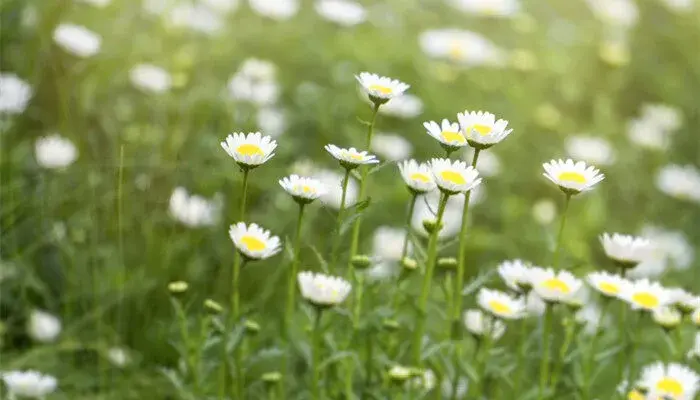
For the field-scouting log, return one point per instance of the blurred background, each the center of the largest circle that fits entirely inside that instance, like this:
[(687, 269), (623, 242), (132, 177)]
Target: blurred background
[(114, 182)]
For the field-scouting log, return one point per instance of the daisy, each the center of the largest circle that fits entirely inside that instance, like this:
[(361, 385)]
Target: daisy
[(685, 301), (572, 178), (150, 78), (694, 352), (479, 324), (31, 384), (192, 210), (254, 242), (303, 190), (667, 317), (590, 149), (417, 176), (481, 128), (674, 380), (447, 133), (645, 295), (454, 177), (278, 10), (381, 89), (516, 274), (323, 290), (607, 284), (272, 121), (554, 286), (342, 12), (488, 8), (55, 151), (14, 94), (43, 327), (462, 47), (250, 150), (350, 158), (500, 305), (680, 182), (77, 40), (625, 250), (534, 305)]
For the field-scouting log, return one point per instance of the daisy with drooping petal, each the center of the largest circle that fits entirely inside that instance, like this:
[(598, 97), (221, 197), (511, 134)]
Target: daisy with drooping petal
[(672, 380), (625, 250), (479, 324), (250, 150), (448, 134), (254, 242), (304, 190), (572, 178), (350, 158), (381, 89), (500, 305), (607, 284), (554, 286), (454, 177), (481, 128), (417, 176), (645, 295), (323, 290), (515, 274)]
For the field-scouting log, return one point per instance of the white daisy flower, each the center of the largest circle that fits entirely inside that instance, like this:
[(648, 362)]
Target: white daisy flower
[(670, 249), (607, 284), (55, 151), (684, 300), (664, 117), (405, 106), (500, 305), (350, 158), (197, 17), (30, 384), (341, 12), (150, 78), (591, 149), (645, 295), (222, 6), (255, 82), (590, 317), (515, 274), (674, 380), (680, 182), (250, 150), (644, 133), (448, 134), (272, 121), (461, 47), (454, 177), (43, 327), (391, 146), (481, 128), (333, 182), (544, 211), (554, 286), (572, 178), (667, 317), (417, 177), (479, 324), (622, 13), (380, 89), (254, 242), (625, 250), (279, 10), (304, 190), (323, 290), (14, 94), (192, 210), (77, 40), (488, 8)]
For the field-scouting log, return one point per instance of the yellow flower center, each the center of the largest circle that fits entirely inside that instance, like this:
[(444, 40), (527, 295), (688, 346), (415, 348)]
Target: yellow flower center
[(420, 177), (380, 88), (482, 130), (453, 177), (609, 288), (556, 284), (670, 385), (572, 177), (635, 395), (305, 189), (249, 150), (456, 51), (500, 307), (253, 243), (452, 137), (646, 299), (354, 156)]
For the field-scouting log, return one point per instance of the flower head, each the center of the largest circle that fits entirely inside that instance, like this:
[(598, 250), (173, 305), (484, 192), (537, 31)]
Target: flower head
[(150, 78), (250, 150), (77, 40), (304, 190), (381, 89), (681, 182), (323, 290), (554, 286), (254, 242), (341, 12), (43, 327), (454, 177), (515, 274), (572, 178), (417, 176), (278, 10), (55, 151), (591, 149), (350, 158), (667, 317), (480, 325), (645, 295), (14, 94), (500, 305), (482, 130), (29, 383), (192, 210), (607, 284), (625, 250), (448, 134), (673, 380)]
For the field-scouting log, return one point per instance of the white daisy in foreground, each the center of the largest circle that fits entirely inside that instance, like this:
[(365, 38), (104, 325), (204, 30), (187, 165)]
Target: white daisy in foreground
[(680, 182), (43, 327), (391, 146), (380, 89), (572, 178), (417, 176), (515, 274), (341, 12), (77, 40), (323, 290), (667, 317), (29, 384), (350, 158), (553, 286), (254, 242), (192, 210), (303, 190), (448, 134), (488, 8), (674, 380), (606, 283), (590, 149), (481, 128), (625, 250), (55, 151), (250, 150), (150, 78), (454, 177), (480, 325), (645, 295), (405, 106), (500, 305), (14, 94), (279, 10)]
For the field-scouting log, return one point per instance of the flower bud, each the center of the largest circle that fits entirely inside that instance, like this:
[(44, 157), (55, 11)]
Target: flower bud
[(400, 374), (447, 263), (178, 288), (360, 261), (409, 263), (213, 307), (251, 327), (430, 225), (271, 378), (391, 324)]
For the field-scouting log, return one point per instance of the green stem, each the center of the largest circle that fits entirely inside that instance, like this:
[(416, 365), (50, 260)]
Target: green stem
[(404, 250), (485, 350), (185, 336), (315, 353), (455, 378), (544, 364), (522, 344), (588, 363), (291, 279), (244, 194), (562, 355), (622, 329), (555, 256), (339, 222), (236, 317), (427, 281)]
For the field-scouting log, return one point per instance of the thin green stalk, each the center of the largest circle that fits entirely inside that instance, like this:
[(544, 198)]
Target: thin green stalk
[(291, 279), (568, 338), (185, 337), (484, 357), (315, 355), (427, 281), (199, 359), (456, 353), (339, 222), (544, 364), (588, 362), (404, 250), (244, 194), (555, 256), (236, 316), (522, 344), (622, 330)]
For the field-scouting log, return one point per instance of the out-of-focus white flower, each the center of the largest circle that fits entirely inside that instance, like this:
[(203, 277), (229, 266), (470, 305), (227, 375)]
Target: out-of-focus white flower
[(694, 352), (254, 242), (224, 6), (333, 182), (279, 10), (534, 305), (681, 182), (30, 384), (461, 47), (623, 13), (670, 249), (341, 12), (479, 324), (667, 317), (591, 149), (572, 178), (679, 6), (303, 166), (645, 134), (97, 3), (387, 243), (426, 207), (544, 211), (55, 151), (323, 290), (488, 163), (77, 40), (447, 387), (150, 78), (406, 106), (197, 17), (272, 121), (390, 146), (626, 249), (255, 82), (14, 94), (489, 8), (157, 7), (425, 381), (118, 357), (515, 274), (591, 317), (43, 327), (663, 116), (193, 210), (381, 271)]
